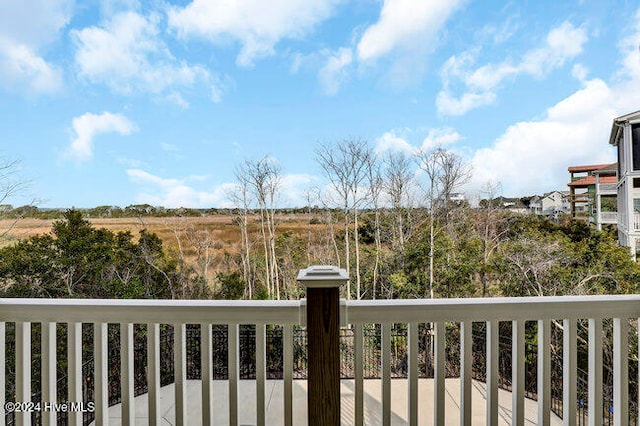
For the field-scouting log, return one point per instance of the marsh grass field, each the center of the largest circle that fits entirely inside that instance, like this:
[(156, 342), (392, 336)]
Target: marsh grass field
[(217, 234)]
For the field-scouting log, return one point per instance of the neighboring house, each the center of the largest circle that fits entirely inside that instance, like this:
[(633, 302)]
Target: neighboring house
[(550, 204), (553, 203), (566, 202), (514, 205), (625, 136), (589, 186), (457, 197), (533, 204)]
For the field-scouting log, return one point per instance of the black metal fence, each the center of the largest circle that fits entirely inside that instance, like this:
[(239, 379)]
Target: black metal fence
[(274, 361)]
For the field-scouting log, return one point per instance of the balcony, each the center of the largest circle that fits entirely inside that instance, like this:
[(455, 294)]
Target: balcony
[(609, 217), (607, 189), (45, 334)]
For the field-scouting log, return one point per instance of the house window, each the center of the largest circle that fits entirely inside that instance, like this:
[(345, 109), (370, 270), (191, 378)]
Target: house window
[(620, 156), (636, 182), (635, 141), (636, 204)]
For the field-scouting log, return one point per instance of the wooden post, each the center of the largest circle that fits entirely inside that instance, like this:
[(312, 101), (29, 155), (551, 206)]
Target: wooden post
[(323, 325)]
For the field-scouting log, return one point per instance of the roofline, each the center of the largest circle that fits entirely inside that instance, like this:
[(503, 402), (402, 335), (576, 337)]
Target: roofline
[(588, 168), (616, 127)]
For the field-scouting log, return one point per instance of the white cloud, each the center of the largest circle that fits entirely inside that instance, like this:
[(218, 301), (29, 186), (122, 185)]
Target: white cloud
[(27, 28), (256, 24), (580, 72), (532, 157), (22, 70), (34, 23), (406, 25), (127, 54), (440, 137), (629, 48), (391, 141), (450, 105), (562, 44), (177, 99), (294, 187), (87, 126), (333, 73), (170, 192), (397, 140), (173, 193)]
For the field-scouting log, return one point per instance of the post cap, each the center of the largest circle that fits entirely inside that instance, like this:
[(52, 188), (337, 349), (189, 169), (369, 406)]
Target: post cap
[(323, 276)]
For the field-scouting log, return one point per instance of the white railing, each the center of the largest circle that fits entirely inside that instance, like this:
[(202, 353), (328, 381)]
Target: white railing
[(607, 187), (439, 312), (609, 217), (75, 312)]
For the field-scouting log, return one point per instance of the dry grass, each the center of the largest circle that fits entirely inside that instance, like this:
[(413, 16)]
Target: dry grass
[(223, 234)]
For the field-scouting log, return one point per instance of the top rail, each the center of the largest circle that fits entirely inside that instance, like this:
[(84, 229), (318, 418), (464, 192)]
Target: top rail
[(151, 311), (494, 308), (292, 312)]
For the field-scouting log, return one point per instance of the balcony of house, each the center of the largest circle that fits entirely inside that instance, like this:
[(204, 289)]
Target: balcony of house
[(609, 218), (607, 189), (540, 360)]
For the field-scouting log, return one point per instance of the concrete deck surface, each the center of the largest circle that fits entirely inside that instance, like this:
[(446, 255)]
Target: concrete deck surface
[(372, 404)]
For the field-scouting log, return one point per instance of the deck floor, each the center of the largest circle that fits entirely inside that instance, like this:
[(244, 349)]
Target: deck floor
[(372, 404)]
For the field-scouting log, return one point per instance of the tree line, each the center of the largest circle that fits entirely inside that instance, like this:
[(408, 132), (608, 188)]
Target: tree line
[(391, 220), (394, 223)]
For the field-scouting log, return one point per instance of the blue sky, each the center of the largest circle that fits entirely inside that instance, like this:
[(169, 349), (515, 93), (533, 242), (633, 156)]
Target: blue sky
[(123, 101)]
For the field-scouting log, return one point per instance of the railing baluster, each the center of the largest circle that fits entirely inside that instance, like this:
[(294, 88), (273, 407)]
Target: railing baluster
[(3, 360), (359, 382), (466, 373), (569, 372), (439, 374), (180, 371), (620, 372), (153, 372), (386, 374), (100, 377), (49, 373), (206, 352), (517, 373), (23, 369), (127, 383), (544, 372), (413, 373), (595, 372), (288, 374), (233, 374), (261, 373), (75, 369), (492, 373)]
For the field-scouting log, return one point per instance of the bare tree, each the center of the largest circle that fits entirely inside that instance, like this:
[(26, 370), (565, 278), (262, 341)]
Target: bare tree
[(325, 199), (10, 186), (398, 184), (489, 228), (445, 171), (344, 164), (265, 178), (455, 172), (240, 197), (308, 195), (375, 186), (428, 162)]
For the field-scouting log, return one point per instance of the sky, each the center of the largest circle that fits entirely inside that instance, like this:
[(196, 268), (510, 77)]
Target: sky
[(120, 102)]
